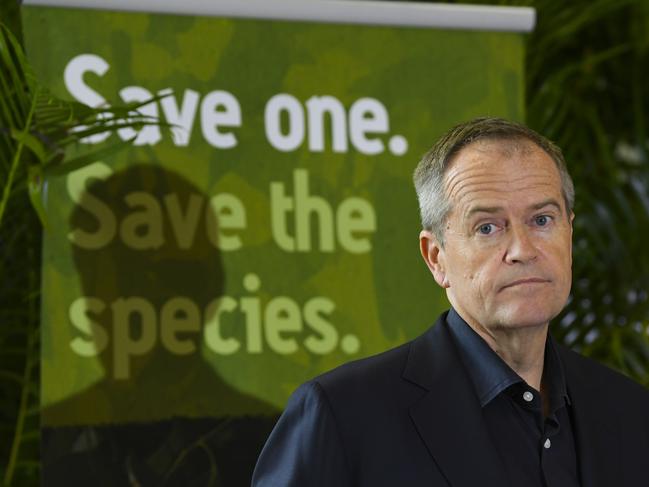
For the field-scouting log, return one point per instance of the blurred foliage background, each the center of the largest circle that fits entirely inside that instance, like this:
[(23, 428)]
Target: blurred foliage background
[(587, 89), (36, 128), (20, 248)]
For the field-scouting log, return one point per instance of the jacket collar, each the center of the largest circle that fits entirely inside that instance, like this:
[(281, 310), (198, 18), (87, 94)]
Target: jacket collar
[(596, 431), (448, 416)]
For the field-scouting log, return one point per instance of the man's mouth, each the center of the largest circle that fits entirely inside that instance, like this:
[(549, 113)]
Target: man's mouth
[(528, 281)]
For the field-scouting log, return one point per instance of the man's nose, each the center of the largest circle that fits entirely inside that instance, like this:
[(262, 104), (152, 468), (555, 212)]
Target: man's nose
[(521, 245)]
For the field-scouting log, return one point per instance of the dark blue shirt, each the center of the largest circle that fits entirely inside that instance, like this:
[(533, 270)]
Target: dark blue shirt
[(536, 449)]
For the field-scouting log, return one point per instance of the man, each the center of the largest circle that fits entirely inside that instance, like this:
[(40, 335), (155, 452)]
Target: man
[(485, 397)]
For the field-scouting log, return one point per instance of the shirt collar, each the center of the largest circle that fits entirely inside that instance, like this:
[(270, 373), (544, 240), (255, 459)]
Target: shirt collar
[(491, 375)]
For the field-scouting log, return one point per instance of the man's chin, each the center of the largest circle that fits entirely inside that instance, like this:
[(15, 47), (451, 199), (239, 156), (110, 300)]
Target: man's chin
[(517, 318)]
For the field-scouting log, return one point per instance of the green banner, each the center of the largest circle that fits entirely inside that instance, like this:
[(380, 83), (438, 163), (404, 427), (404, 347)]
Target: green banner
[(272, 234)]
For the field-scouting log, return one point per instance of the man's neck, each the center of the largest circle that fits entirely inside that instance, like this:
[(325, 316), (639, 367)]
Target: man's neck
[(522, 349)]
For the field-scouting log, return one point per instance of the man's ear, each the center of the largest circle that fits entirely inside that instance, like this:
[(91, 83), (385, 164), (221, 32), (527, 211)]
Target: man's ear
[(433, 254), (572, 221)]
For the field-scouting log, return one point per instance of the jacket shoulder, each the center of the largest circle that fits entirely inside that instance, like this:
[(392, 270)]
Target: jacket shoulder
[(394, 377), (376, 370), (609, 385)]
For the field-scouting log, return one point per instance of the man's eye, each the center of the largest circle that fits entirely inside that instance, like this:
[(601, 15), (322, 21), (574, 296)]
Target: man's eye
[(542, 220), (486, 228)]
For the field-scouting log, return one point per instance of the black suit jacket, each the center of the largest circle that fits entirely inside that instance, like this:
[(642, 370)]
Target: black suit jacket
[(410, 417)]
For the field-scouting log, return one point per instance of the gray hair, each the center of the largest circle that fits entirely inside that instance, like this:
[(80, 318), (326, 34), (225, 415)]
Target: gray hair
[(434, 205)]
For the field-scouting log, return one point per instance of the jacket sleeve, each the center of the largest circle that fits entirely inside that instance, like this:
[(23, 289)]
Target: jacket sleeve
[(305, 447)]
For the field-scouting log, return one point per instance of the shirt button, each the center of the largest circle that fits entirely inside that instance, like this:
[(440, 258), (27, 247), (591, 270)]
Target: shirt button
[(547, 443), (528, 396)]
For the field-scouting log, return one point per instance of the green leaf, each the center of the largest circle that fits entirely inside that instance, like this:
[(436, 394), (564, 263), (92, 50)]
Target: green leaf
[(35, 188), (30, 142), (85, 159)]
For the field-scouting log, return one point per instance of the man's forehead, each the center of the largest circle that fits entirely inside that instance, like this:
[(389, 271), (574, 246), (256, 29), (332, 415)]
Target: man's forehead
[(486, 171), (508, 155), (506, 146)]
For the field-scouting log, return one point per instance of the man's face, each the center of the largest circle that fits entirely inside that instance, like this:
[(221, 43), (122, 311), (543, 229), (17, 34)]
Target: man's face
[(507, 255)]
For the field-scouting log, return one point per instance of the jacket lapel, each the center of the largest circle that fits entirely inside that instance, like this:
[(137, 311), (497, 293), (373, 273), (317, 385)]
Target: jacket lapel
[(596, 433), (448, 417)]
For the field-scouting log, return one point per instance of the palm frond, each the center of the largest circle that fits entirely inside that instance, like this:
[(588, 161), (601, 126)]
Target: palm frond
[(37, 128), (37, 131)]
